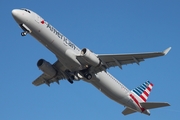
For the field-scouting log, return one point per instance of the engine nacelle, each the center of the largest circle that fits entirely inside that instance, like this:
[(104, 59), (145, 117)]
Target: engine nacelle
[(90, 57), (46, 67)]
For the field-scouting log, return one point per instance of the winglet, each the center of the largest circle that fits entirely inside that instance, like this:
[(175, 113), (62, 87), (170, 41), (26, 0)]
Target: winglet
[(166, 51)]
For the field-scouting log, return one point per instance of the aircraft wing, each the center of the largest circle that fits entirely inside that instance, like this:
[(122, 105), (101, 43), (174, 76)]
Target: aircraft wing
[(43, 78), (112, 60)]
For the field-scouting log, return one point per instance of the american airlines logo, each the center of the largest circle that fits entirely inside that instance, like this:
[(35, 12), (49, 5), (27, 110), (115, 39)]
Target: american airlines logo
[(56, 32)]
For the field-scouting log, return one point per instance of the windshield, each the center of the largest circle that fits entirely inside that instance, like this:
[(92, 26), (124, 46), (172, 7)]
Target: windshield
[(26, 10)]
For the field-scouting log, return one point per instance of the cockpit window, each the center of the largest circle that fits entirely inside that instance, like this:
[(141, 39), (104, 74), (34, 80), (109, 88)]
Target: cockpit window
[(26, 10)]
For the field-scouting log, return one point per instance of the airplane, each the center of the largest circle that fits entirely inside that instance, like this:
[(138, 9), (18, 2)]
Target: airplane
[(74, 64)]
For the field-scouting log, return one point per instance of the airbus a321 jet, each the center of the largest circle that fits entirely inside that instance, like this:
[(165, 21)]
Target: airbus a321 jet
[(74, 64)]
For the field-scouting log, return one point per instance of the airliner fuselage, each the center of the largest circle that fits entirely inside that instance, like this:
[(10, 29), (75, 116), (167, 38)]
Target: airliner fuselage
[(74, 63)]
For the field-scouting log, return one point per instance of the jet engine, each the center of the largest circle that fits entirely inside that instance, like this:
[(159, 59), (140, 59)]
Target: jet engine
[(90, 57), (46, 67)]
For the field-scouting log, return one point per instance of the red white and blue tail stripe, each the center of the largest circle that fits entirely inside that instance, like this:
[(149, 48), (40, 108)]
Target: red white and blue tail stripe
[(143, 90)]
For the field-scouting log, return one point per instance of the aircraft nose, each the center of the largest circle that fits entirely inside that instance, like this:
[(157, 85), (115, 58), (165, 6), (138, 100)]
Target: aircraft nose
[(15, 13)]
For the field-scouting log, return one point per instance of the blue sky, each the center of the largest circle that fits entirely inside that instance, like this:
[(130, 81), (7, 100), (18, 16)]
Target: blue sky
[(104, 27)]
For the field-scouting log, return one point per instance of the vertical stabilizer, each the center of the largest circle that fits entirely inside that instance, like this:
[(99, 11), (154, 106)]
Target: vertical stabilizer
[(143, 90)]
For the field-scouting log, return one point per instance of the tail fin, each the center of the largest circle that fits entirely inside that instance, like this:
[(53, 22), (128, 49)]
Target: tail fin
[(143, 90)]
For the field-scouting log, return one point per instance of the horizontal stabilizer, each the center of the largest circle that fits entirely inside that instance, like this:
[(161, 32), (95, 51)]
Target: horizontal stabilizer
[(128, 111), (151, 105)]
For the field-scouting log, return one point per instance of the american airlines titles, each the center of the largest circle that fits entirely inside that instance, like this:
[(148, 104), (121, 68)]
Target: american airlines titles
[(57, 33)]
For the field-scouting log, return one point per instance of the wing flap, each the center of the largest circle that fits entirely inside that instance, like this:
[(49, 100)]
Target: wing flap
[(40, 80), (127, 111), (112, 60), (151, 105), (46, 79)]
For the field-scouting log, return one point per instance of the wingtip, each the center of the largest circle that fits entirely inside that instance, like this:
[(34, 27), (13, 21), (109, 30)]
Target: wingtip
[(166, 51), (168, 104)]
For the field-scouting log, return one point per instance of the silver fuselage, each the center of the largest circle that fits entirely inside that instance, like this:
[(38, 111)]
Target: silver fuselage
[(66, 52)]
